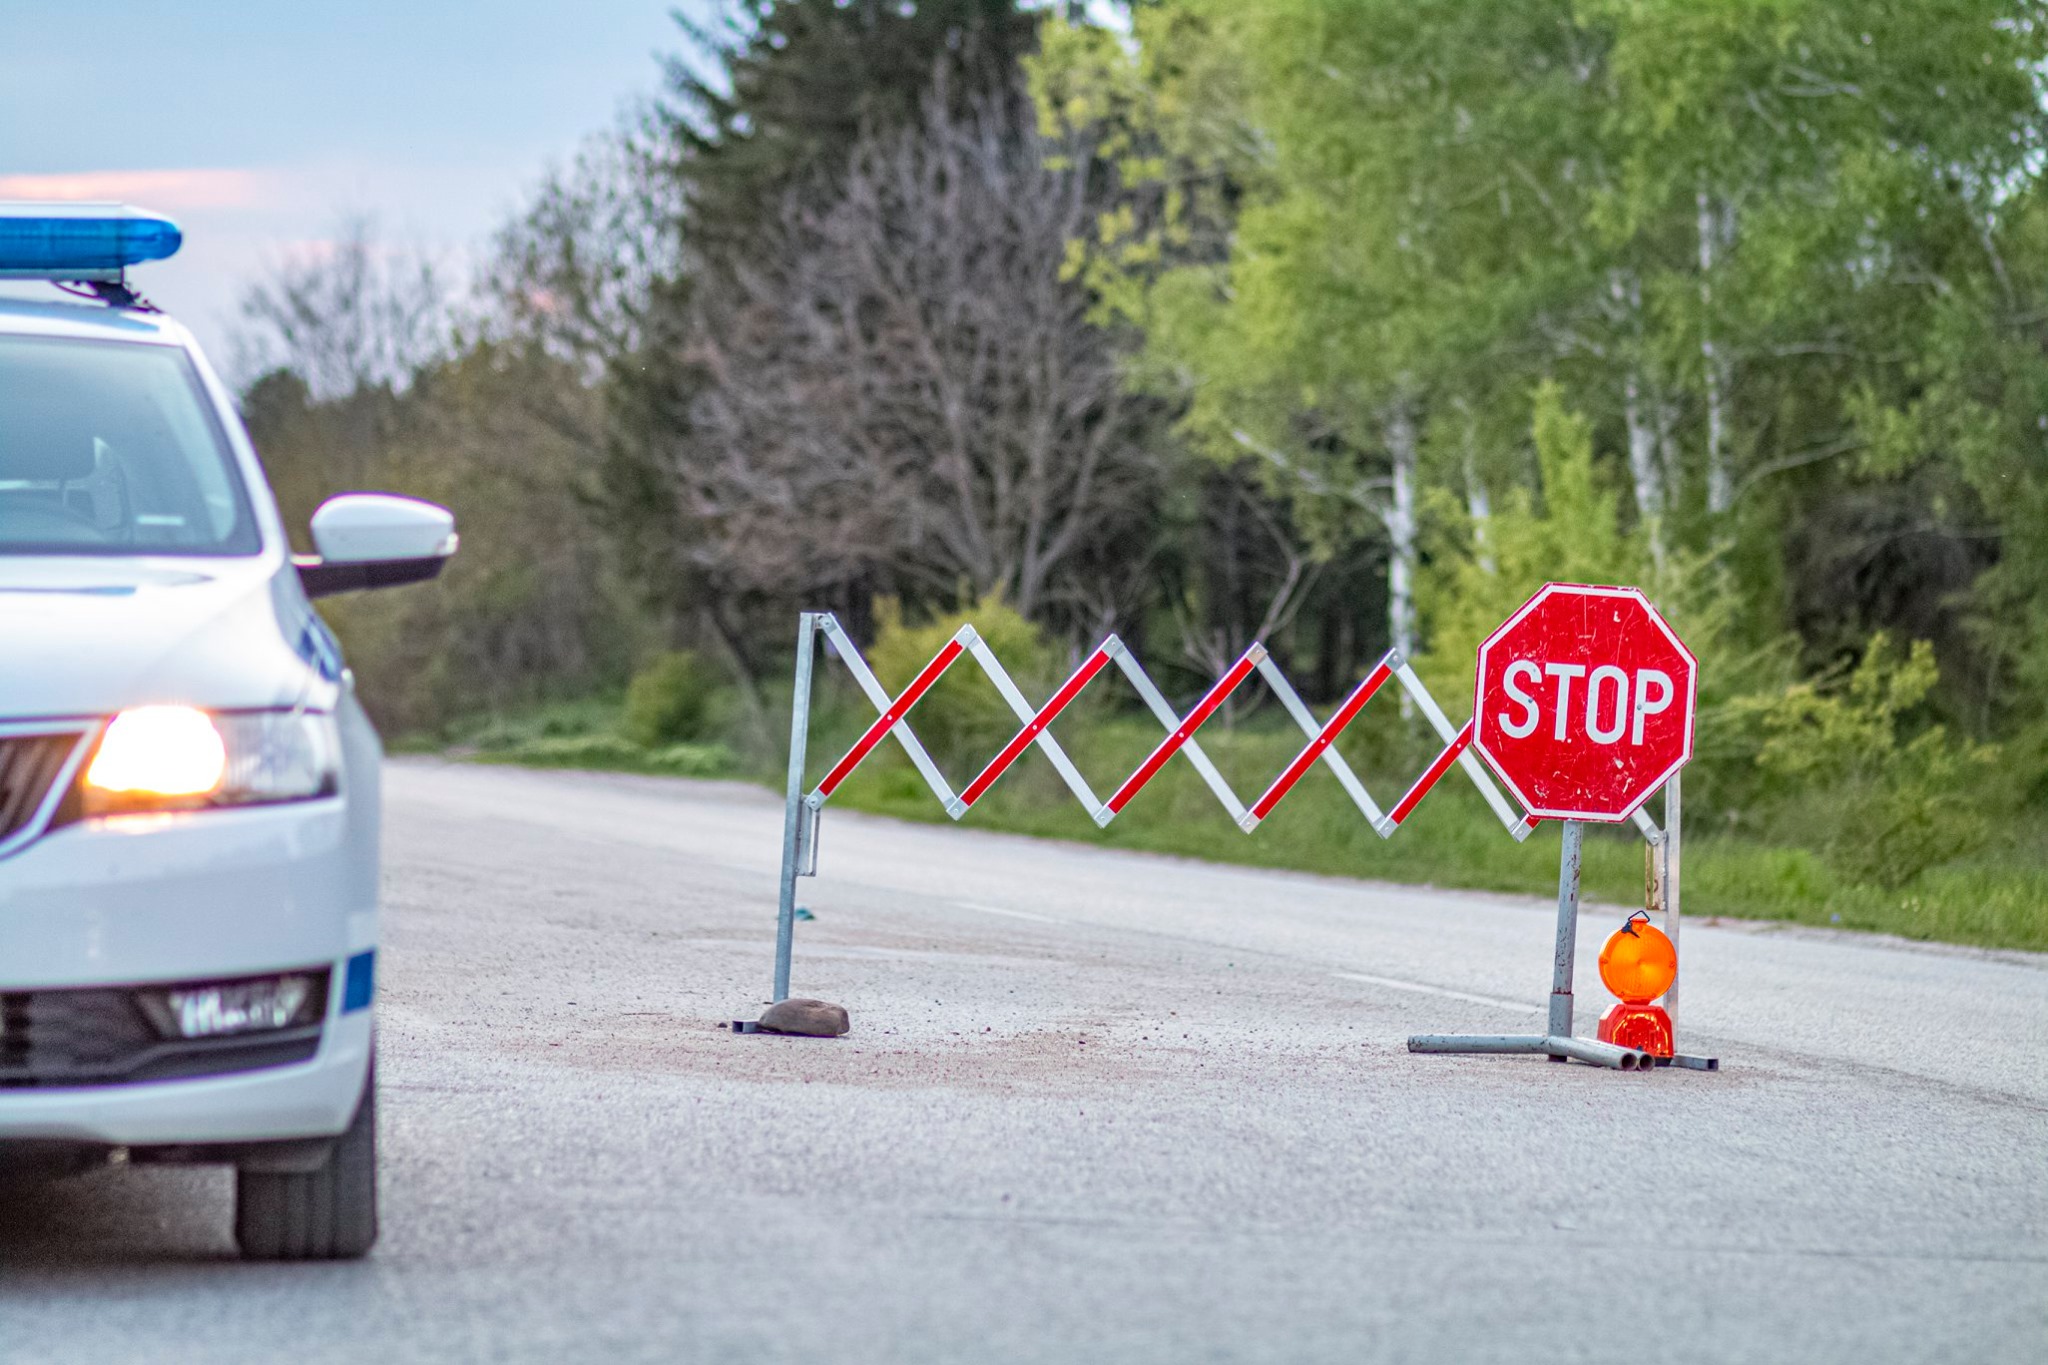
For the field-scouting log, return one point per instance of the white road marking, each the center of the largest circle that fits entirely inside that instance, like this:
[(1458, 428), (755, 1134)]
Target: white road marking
[(1013, 914), (1519, 1006)]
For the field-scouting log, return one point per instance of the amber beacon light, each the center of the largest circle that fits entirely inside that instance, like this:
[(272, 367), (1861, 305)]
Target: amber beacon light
[(1638, 964)]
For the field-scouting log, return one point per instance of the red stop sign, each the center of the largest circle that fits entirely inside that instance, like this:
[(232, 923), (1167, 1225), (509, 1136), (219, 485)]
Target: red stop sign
[(1585, 702)]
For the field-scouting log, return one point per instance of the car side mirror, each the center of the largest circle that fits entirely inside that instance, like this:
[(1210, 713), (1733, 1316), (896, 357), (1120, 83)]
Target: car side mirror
[(375, 540)]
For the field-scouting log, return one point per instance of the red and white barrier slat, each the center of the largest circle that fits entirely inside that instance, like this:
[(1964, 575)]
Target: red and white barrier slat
[(1457, 749), (1322, 743), (893, 712), (1182, 733), (1162, 711), (1036, 729)]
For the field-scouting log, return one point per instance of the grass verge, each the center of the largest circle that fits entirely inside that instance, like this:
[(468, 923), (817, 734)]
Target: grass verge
[(1997, 898)]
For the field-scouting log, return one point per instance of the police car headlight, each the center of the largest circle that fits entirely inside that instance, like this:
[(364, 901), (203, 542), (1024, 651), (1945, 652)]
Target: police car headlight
[(164, 758)]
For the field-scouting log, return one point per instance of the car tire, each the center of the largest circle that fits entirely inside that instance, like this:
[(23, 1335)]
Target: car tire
[(328, 1214)]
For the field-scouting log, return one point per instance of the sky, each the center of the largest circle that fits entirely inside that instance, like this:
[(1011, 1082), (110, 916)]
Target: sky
[(262, 125)]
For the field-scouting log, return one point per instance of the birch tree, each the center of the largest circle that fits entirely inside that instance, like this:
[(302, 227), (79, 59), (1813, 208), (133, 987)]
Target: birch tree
[(1714, 223)]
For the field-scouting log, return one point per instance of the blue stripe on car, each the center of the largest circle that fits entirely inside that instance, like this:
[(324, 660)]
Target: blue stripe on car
[(361, 982)]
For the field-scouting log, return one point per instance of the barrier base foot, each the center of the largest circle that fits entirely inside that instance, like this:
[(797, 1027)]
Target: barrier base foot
[(1690, 1063), (746, 1026), (1557, 1048)]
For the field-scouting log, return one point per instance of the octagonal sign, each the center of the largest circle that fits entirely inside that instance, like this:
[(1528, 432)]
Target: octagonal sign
[(1584, 702)]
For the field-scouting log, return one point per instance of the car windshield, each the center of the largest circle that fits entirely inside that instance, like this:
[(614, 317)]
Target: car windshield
[(110, 448)]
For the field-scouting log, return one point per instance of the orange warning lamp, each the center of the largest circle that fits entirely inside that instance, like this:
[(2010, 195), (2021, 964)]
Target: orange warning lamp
[(1638, 964)]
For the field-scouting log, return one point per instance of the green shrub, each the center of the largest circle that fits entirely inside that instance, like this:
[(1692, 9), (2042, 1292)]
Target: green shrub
[(492, 732), (670, 701), (572, 751), (1885, 807), (616, 753), (692, 760)]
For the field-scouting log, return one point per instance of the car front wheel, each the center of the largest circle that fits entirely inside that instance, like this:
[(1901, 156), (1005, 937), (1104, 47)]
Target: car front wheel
[(325, 1214)]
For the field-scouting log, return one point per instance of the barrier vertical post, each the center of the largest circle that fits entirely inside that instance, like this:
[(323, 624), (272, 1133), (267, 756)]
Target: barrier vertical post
[(793, 809), (1570, 852), (1669, 848)]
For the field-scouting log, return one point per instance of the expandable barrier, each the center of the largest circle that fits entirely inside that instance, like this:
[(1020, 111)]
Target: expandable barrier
[(800, 830)]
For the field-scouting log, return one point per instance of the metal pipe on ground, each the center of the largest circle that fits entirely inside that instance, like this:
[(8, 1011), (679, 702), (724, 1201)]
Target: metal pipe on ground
[(1577, 1049), (1476, 1042), (1599, 1054)]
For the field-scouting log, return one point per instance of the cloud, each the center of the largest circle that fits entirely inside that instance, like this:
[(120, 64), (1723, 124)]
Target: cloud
[(164, 190)]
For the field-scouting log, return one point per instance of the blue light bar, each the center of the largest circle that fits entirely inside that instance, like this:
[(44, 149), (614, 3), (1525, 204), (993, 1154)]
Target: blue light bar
[(80, 241)]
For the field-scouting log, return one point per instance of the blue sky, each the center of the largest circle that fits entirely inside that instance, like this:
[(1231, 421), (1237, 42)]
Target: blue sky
[(261, 124)]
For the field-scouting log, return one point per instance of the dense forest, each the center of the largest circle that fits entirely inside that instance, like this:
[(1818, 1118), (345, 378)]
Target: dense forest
[(1336, 324)]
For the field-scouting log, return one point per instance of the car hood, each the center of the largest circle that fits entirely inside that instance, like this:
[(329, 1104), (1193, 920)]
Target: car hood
[(81, 636)]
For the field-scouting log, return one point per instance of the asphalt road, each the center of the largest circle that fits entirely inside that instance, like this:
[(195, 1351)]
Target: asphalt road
[(1096, 1107)]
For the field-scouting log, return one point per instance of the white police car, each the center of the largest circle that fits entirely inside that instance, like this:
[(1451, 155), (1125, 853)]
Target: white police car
[(188, 787)]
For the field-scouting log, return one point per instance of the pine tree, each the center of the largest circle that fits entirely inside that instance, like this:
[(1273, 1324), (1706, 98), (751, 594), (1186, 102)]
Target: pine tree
[(798, 81)]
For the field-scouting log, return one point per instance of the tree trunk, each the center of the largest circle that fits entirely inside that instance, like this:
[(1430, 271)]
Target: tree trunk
[(1478, 503), (1643, 467), (1668, 457), (1400, 522), (1713, 364)]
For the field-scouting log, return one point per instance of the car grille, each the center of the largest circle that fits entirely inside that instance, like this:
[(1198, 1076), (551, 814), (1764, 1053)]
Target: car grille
[(28, 765), (98, 1037)]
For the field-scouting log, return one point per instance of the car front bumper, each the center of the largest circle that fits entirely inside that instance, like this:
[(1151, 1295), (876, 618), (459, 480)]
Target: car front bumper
[(188, 898)]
